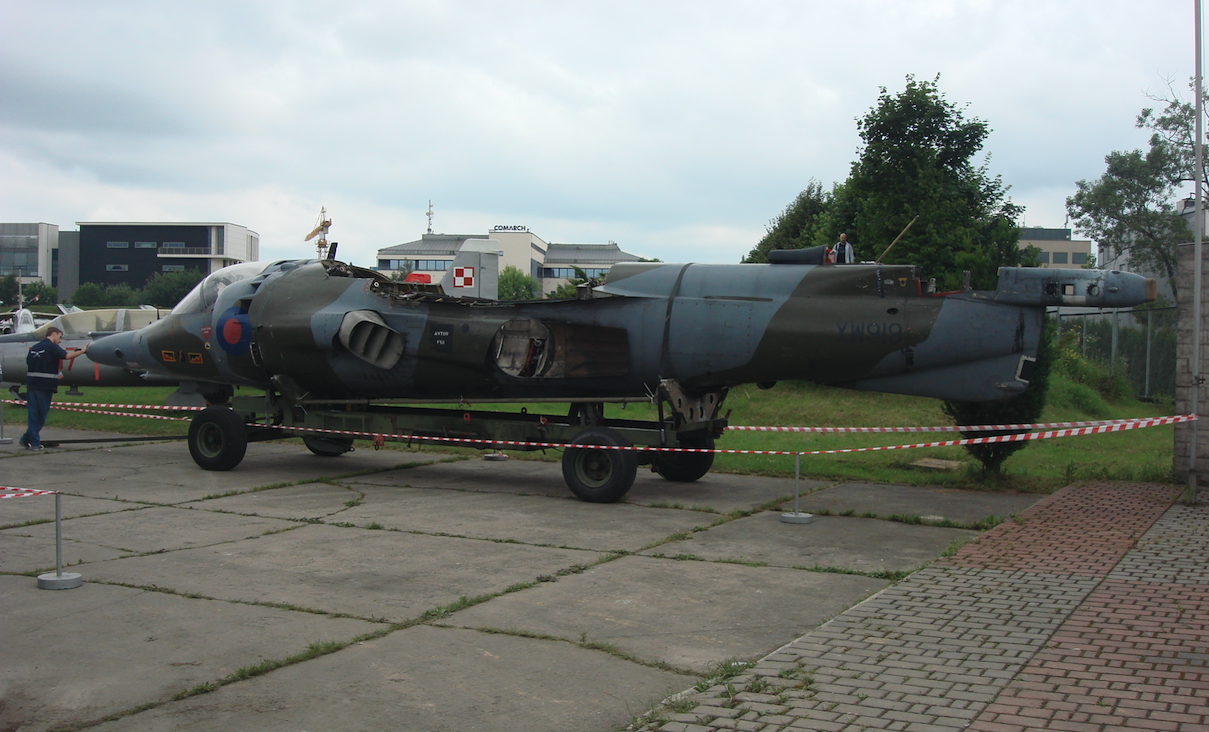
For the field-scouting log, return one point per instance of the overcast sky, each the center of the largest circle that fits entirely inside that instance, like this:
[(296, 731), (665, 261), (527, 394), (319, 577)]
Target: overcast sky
[(677, 129)]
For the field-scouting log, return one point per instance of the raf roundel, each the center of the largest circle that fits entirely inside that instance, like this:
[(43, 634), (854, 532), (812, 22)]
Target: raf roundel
[(234, 331)]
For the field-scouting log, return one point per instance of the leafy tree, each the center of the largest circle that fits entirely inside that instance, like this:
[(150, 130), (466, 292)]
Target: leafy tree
[(92, 295), (88, 295), (1133, 207), (797, 226), (1023, 409), (122, 295), (40, 292), (918, 160), (569, 289), (8, 290), (1174, 130), (165, 289), (516, 285)]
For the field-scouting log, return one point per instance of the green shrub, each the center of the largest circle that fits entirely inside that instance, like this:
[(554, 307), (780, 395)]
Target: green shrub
[(1108, 380)]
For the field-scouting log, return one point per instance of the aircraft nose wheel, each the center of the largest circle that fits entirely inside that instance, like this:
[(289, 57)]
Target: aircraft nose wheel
[(595, 475), (218, 439)]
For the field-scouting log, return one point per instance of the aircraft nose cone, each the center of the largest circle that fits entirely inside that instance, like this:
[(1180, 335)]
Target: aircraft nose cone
[(117, 350)]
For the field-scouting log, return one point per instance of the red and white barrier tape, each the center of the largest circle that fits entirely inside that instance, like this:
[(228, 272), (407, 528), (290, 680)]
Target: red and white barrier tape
[(159, 407), (1070, 429), (23, 492), (1118, 426), (941, 428)]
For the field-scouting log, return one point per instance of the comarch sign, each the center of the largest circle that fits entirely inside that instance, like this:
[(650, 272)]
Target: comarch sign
[(515, 227)]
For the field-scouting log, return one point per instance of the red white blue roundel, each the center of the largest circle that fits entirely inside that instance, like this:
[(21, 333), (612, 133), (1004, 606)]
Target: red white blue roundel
[(234, 331)]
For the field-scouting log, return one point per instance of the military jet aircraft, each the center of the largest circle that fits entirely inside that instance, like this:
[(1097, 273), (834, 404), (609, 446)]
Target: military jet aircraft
[(322, 333), (79, 328)]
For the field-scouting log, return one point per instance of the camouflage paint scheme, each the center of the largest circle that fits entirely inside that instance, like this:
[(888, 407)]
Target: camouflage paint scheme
[(327, 330)]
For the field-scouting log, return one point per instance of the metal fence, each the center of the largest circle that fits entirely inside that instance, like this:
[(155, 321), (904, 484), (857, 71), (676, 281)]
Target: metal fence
[(1141, 342)]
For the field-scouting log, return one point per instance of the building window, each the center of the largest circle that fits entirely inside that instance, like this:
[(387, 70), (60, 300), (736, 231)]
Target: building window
[(432, 265), (174, 268), (1042, 258), (118, 244), (144, 245), (174, 245), (569, 272), (1078, 258), (117, 268), (1059, 257)]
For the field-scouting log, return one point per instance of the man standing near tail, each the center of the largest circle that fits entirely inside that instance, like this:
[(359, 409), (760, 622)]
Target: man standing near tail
[(42, 381)]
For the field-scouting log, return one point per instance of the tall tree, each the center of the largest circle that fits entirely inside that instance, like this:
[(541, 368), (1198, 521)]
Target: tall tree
[(1174, 130), (798, 225), (918, 159), (1131, 209), (516, 285), (1134, 208)]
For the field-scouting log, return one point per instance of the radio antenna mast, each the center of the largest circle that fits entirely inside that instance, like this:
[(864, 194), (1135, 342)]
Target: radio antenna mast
[(429, 216)]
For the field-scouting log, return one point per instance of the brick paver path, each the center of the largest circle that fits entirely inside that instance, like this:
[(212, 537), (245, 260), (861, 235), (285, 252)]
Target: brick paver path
[(1088, 612)]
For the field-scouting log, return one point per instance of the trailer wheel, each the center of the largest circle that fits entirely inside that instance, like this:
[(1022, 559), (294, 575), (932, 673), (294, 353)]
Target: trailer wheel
[(595, 475), (218, 439), (685, 467), (325, 446)]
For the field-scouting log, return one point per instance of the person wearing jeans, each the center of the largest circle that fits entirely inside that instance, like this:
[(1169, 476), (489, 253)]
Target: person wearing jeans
[(42, 381)]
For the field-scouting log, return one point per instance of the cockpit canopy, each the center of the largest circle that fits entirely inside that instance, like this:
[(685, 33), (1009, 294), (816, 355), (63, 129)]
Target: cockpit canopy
[(203, 296)]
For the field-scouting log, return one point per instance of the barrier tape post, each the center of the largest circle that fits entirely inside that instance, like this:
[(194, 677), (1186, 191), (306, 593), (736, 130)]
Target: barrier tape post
[(60, 580), (797, 517), (3, 440)]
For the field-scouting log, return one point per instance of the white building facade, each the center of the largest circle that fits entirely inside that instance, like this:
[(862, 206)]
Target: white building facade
[(551, 264)]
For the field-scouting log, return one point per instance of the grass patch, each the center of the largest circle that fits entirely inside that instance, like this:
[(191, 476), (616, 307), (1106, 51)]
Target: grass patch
[(722, 672), (1043, 466), (886, 574)]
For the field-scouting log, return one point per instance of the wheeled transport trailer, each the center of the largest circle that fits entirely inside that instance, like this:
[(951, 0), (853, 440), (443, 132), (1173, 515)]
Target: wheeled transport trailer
[(219, 435)]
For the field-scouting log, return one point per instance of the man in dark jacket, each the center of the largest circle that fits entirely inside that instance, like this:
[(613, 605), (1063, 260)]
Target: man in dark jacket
[(42, 381)]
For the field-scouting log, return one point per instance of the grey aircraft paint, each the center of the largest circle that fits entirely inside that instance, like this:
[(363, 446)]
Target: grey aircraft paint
[(329, 330)]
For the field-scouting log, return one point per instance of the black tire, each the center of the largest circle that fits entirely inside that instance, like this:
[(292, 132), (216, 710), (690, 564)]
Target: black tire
[(599, 476), (685, 467), (218, 439), (328, 446)]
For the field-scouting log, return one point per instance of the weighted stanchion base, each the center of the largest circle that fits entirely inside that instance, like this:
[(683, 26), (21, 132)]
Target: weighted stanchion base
[(56, 581), (797, 518)]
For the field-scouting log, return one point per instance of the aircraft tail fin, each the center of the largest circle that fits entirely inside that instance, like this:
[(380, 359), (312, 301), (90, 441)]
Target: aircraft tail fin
[(475, 272)]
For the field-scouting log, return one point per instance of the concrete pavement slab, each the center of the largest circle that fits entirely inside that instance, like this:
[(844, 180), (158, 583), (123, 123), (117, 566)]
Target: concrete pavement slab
[(23, 553), (719, 491), (69, 656), (297, 502), (526, 519), (722, 493), (862, 545), (929, 503), (431, 679), (516, 477), (87, 440), (379, 574), (685, 613), (19, 511), (164, 473), (152, 529)]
